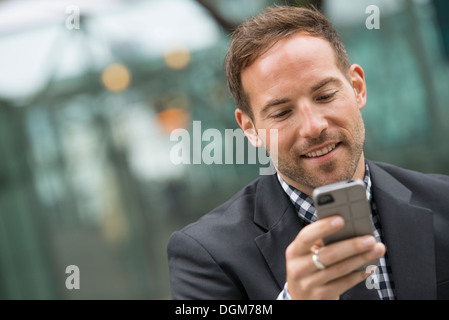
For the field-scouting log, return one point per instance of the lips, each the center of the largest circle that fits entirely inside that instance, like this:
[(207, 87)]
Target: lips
[(321, 152)]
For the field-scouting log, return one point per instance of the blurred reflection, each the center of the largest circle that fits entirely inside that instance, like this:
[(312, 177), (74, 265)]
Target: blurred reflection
[(172, 119), (177, 58), (116, 77)]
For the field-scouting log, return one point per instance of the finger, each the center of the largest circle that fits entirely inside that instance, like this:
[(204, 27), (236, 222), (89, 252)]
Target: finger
[(314, 232), (342, 284), (344, 249), (347, 266), (313, 287), (345, 283)]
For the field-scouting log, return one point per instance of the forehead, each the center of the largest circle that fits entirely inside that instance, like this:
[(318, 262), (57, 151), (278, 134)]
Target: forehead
[(300, 60), (299, 49)]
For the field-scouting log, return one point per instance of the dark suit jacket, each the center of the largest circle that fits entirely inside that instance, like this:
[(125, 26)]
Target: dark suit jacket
[(237, 251)]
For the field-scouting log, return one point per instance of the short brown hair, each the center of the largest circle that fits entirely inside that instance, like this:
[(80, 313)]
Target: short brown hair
[(254, 37)]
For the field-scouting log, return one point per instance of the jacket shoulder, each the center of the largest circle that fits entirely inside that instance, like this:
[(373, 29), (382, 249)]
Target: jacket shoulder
[(209, 253), (407, 175), (425, 186)]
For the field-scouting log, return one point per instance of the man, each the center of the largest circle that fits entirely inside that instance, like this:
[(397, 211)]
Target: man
[(288, 71)]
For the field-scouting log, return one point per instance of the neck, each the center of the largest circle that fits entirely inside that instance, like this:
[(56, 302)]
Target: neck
[(358, 174)]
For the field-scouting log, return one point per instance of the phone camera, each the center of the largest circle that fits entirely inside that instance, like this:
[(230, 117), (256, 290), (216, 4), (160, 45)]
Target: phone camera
[(325, 199)]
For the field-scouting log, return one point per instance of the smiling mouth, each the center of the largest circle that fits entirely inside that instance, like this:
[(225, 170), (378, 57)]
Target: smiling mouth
[(321, 152)]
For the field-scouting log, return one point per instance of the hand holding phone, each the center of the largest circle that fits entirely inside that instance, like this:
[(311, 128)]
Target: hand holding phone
[(348, 200)]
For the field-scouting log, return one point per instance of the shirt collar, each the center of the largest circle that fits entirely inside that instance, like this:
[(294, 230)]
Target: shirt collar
[(304, 204)]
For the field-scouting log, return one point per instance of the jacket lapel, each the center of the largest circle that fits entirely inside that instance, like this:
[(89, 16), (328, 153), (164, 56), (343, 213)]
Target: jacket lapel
[(408, 234), (275, 213)]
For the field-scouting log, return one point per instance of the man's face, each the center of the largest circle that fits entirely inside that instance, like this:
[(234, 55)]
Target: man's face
[(297, 88)]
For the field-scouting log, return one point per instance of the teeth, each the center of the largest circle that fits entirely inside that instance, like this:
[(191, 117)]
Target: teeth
[(321, 152)]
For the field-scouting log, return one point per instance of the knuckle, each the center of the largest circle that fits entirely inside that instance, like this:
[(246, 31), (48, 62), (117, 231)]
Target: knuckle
[(290, 252), (308, 285), (342, 268), (370, 255), (295, 270), (305, 234), (292, 271), (329, 257), (360, 244)]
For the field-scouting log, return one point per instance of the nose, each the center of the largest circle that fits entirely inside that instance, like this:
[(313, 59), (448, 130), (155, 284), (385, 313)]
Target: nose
[(312, 122)]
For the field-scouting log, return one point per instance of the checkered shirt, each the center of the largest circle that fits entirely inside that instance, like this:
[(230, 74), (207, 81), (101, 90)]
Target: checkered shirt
[(306, 212)]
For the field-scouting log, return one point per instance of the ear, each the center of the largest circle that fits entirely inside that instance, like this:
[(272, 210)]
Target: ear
[(248, 127), (357, 77)]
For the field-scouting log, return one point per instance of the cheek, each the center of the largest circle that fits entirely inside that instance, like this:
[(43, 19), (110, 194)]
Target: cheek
[(345, 113), (274, 142), (286, 140), (281, 134)]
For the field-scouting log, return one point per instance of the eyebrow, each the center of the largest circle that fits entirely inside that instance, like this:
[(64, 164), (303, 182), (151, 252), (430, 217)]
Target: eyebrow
[(319, 85), (274, 103), (325, 82)]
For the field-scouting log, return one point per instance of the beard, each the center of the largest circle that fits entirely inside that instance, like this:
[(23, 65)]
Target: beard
[(342, 167)]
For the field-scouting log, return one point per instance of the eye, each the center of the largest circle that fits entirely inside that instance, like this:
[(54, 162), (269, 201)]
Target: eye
[(326, 97), (281, 114)]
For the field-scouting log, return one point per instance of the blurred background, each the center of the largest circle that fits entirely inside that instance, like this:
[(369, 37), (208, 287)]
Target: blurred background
[(88, 102)]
